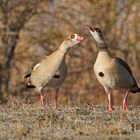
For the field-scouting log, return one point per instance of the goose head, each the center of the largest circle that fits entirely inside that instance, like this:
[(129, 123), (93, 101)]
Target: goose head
[(96, 33), (75, 38), (99, 38), (71, 41)]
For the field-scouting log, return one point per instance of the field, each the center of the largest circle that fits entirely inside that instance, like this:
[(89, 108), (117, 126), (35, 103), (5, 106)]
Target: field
[(19, 120)]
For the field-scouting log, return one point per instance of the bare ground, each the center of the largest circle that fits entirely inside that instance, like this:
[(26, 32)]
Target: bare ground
[(84, 122)]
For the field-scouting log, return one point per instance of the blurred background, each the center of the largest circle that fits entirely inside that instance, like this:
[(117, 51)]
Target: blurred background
[(32, 29)]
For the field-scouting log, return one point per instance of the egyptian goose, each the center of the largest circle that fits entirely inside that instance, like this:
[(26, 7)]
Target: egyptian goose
[(112, 72), (52, 70)]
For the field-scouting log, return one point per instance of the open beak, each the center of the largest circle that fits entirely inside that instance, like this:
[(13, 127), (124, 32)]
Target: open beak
[(90, 28), (81, 38)]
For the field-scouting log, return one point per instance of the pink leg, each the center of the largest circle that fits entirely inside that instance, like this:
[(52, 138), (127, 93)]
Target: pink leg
[(42, 99), (55, 99), (110, 103), (125, 101)]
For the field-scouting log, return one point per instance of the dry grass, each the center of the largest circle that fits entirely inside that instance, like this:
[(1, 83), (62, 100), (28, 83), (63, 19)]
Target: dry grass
[(19, 120)]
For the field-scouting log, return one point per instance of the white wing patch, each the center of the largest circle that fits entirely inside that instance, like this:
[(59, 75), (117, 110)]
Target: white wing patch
[(36, 66)]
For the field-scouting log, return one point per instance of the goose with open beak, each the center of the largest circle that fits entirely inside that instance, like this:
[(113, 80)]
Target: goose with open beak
[(112, 72)]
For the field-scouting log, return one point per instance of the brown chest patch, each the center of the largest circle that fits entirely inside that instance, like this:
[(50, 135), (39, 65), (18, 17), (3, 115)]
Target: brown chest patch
[(101, 74)]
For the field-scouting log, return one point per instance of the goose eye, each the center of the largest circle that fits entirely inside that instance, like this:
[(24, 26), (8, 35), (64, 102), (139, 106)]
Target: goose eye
[(98, 30), (72, 36)]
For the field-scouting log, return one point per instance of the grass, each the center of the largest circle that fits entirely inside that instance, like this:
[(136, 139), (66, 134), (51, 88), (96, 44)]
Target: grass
[(19, 120)]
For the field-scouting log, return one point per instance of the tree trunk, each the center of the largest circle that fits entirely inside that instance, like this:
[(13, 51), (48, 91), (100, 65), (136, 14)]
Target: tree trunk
[(10, 34), (9, 44)]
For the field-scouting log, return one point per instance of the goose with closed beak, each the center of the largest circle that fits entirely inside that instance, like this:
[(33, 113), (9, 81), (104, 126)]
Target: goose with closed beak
[(112, 72), (52, 70)]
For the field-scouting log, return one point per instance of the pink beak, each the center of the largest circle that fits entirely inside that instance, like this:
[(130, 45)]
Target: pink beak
[(81, 38), (90, 28)]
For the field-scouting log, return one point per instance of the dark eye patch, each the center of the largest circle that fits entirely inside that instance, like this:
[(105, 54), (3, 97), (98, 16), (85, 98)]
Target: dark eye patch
[(98, 30), (72, 36)]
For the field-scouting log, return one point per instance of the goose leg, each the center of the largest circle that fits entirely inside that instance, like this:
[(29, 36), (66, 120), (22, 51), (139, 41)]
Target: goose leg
[(109, 103), (125, 101), (42, 99), (55, 98)]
